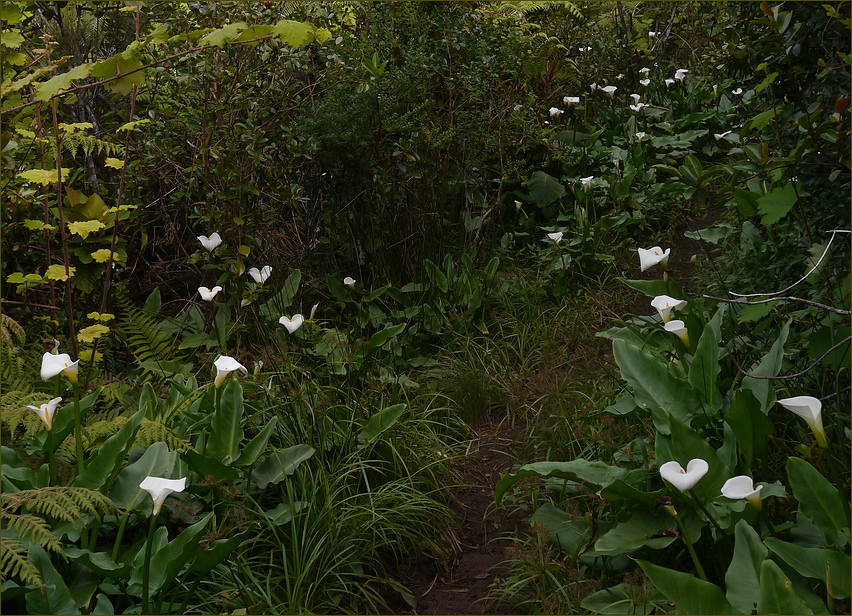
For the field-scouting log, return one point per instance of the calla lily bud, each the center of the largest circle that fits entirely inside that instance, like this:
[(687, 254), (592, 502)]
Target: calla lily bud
[(46, 411), (224, 366), (159, 488), (809, 409)]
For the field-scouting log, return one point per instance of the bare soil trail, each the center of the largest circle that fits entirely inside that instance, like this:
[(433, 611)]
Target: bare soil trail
[(483, 537)]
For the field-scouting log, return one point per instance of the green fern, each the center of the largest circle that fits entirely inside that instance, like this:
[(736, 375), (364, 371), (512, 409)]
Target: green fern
[(65, 503), (527, 7), (73, 142), (145, 336)]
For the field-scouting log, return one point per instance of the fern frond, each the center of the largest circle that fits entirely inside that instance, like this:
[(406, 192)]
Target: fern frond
[(16, 419), (154, 432), (69, 503), (146, 337), (10, 328), (35, 530), (80, 140), (14, 562)]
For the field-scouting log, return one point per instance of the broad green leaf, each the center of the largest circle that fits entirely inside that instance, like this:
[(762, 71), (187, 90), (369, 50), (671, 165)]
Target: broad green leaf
[(92, 332), (102, 255), (294, 33), (167, 561), (623, 599), (762, 119), (275, 467), (690, 594), (569, 534), (653, 288), (437, 275), (746, 202), (544, 188), (657, 385), (220, 36), (819, 500), (109, 458), (713, 234), (219, 550), (52, 87), (282, 300), (749, 424), (619, 490), (777, 595), (381, 337), (43, 176), (99, 562), (226, 427), (770, 365), (815, 563), (645, 529), (205, 466), (379, 422), (777, 203), (157, 461), (593, 474), (755, 312), (53, 596), (705, 368), (84, 227), (691, 170), (58, 272), (742, 579), (256, 445)]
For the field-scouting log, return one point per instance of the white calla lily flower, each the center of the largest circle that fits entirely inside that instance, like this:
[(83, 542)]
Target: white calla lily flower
[(261, 275), (292, 324), (587, 182), (737, 92), (224, 366), (644, 70), (210, 243), (46, 411), (349, 281), (640, 135), (809, 409), (635, 97), (555, 111), (571, 100), (665, 304), (651, 256), (555, 237), (680, 73), (668, 82), (718, 136), (644, 82), (637, 107), (159, 488), (208, 294), (684, 480), (51, 365), (593, 87), (678, 328), (742, 486), (610, 90)]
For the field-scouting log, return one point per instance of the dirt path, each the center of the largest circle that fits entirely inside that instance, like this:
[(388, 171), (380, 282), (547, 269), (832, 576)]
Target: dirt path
[(483, 535)]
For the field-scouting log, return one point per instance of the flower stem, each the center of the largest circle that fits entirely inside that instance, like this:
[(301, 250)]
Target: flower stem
[(78, 430), (685, 536), (121, 526), (146, 566)]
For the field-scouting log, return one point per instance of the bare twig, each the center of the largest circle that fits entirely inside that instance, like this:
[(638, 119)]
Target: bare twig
[(812, 270), (776, 299), (789, 376)]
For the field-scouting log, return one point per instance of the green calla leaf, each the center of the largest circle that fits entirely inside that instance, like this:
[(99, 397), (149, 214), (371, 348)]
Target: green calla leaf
[(819, 500), (379, 422), (742, 579), (777, 595), (690, 594)]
